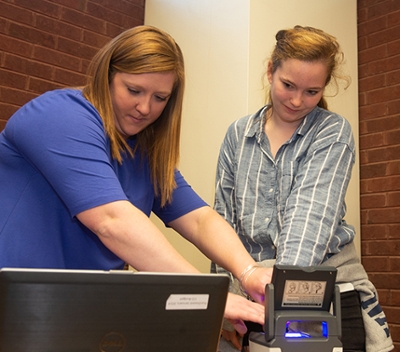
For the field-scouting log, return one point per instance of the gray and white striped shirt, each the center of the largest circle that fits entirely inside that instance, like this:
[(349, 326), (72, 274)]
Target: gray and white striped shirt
[(290, 207)]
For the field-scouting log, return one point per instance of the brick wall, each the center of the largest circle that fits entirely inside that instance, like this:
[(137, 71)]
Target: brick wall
[(379, 85), (46, 44)]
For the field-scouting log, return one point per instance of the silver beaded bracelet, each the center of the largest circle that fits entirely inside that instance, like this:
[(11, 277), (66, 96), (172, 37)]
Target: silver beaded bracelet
[(245, 275)]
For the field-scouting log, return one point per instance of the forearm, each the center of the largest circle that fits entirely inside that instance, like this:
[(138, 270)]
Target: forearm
[(208, 231), (130, 235)]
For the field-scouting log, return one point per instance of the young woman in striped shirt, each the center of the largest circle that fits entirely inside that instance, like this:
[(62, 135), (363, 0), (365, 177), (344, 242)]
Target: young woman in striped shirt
[(282, 177)]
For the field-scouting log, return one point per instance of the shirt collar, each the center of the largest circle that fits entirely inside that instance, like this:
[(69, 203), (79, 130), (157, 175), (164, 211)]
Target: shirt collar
[(256, 122)]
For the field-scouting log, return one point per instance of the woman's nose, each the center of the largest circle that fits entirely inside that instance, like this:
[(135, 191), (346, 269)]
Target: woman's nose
[(143, 106), (296, 99)]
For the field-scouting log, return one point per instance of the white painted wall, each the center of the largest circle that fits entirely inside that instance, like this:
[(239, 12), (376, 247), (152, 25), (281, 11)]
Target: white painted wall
[(225, 43)]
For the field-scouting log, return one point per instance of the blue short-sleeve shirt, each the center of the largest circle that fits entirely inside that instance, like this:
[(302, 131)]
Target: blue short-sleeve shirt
[(55, 162)]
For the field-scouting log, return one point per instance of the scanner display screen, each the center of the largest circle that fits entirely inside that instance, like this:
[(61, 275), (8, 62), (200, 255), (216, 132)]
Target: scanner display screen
[(306, 329)]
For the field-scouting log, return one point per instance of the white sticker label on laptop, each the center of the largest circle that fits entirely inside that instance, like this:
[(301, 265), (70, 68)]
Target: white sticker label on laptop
[(187, 301)]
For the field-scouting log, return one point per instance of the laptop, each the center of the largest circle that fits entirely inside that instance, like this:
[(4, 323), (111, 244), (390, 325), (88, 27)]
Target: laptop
[(115, 311)]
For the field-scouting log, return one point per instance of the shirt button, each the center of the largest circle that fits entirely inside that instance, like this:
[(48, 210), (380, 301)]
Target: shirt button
[(271, 190), (266, 219)]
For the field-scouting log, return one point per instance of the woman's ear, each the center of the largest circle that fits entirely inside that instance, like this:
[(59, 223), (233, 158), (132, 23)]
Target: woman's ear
[(269, 72)]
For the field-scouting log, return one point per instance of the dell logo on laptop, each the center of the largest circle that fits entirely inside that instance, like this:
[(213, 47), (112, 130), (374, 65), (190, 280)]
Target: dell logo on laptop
[(112, 342)]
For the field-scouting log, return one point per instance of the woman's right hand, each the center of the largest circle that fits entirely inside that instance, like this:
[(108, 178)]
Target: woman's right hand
[(237, 310), (254, 284)]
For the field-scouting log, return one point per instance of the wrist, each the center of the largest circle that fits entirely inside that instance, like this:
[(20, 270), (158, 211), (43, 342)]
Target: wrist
[(245, 274)]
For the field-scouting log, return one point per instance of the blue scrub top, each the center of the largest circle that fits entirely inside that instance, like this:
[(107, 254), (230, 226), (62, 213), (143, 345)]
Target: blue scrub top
[(55, 162)]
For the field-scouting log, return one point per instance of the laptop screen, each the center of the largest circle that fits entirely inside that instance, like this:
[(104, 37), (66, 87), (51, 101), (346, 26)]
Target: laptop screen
[(77, 311)]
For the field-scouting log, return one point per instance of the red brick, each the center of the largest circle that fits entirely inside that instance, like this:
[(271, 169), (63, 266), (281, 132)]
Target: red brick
[(385, 36), (373, 170), (381, 124), (40, 86), (74, 4), (134, 8), (372, 26), (375, 264), (104, 13), (363, 213), (45, 7), (32, 35), (14, 13), (27, 66), (393, 48), (41, 70), (373, 201), (3, 25), (83, 20), (56, 58), (364, 249), (381, 280), (393, 167), (383, 184), (393, 78), (363, 71), (383, 94), (15, 96), (383, 154), (94, 39), (395, 334), (393, 107), (381, 8), (362, 43), (393, 18), (15, 46), (386, 216), (372, 141), (393, 231), (363, 4), (69, 78), (376, 67), (394, 264), (363, 157), (392, 314), (13, 79), (372, 82), (377, 232), (384, 296), (393, 63), (59, 28), (362, 99), (395, 297), (393, 137), (112, 30), (393, 199), (76, 49), (361, 14), (84, 66), (373, 111), (380, 248), (15, 63)]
